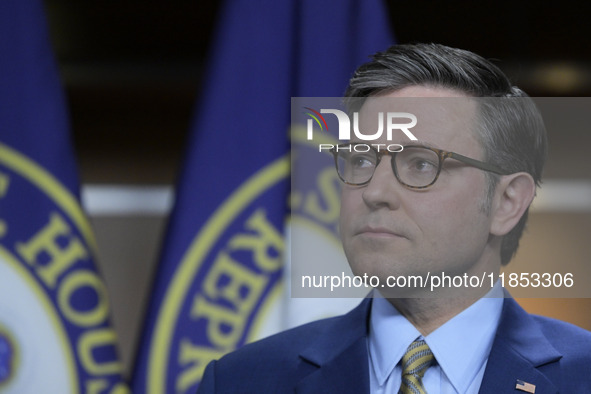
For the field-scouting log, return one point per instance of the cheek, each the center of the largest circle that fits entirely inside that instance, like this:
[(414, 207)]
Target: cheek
[(448, 214), (350, 206), (458, 224)]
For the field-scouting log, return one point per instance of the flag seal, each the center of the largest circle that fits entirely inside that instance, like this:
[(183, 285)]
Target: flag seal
[(222, 283), (58, 309)]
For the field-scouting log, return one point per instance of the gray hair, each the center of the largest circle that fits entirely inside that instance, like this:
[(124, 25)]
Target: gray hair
[(511, 129)]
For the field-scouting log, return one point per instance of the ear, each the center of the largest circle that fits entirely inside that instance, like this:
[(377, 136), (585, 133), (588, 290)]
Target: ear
[(513, 195)]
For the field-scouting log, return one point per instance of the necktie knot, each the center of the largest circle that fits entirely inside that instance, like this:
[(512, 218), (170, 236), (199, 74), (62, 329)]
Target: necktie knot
[(416, 360)]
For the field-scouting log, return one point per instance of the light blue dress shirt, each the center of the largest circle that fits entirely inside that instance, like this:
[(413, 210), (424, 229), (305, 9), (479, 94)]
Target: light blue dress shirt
[(461, 346)]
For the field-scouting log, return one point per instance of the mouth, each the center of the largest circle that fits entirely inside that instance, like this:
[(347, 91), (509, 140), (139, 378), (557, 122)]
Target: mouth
[(379, 232)]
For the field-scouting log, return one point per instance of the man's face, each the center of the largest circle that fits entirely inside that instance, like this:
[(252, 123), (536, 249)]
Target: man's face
[(389, 229)]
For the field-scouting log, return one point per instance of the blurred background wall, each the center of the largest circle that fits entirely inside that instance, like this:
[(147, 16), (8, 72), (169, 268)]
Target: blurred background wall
[(133, 69)]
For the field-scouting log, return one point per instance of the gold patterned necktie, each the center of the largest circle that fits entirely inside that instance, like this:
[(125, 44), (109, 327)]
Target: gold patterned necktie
[(416, 360)]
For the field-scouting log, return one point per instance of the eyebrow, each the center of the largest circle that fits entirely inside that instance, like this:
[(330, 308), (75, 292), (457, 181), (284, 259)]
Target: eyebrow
[(423, 144)]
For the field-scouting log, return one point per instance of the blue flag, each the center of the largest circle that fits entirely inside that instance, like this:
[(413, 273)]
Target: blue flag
[(222, 262), (55, 335)]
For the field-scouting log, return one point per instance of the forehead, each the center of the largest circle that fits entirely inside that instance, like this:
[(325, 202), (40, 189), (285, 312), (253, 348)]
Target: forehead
[(446, 118)]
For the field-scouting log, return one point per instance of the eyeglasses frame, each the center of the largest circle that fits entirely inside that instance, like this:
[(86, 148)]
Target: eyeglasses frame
[(441, 154)]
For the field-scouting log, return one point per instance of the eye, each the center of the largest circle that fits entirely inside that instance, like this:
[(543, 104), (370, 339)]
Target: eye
[(417, 162), (422, 165), (362, 161)]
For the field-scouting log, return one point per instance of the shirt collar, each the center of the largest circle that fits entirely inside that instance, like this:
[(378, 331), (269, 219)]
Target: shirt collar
[(461, 346), (385, 348)]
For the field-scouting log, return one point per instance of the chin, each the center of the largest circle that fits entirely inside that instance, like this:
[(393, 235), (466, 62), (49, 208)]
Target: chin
[(381, 269)]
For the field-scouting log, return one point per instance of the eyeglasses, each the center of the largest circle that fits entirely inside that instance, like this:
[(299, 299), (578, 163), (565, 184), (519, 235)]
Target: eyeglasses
[(415, 166)]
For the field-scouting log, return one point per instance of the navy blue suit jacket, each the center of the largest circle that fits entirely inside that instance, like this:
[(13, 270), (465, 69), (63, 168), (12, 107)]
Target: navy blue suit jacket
[(330, 356)]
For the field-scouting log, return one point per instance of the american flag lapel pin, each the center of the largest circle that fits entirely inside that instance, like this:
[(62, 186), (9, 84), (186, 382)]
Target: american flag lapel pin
[(524, 386)]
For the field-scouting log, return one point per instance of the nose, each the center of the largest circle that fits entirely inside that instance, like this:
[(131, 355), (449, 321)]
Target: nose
[(383, 190)]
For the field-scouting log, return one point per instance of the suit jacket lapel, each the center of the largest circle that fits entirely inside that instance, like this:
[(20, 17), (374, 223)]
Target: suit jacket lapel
[(338, 356), (520, 351)]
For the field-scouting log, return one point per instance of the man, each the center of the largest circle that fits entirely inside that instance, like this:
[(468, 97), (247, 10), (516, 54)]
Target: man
[(454, 201)]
